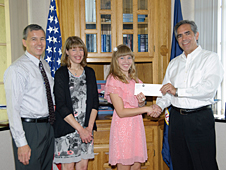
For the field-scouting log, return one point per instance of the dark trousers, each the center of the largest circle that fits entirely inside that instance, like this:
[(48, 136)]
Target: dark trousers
[(192, 140), (40, 138)]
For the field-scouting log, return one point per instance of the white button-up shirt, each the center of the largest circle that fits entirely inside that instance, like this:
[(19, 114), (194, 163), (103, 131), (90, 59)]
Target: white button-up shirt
[(197, 78), (25, 93)]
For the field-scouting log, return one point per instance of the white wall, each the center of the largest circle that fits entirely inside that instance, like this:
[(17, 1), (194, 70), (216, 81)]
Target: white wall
[(187, 8), (21, 14), (18, 20), (6, 151), (220, 142), (38, 12)]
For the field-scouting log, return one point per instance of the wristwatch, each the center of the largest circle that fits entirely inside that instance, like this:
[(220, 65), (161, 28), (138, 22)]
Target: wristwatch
[(176, 94)]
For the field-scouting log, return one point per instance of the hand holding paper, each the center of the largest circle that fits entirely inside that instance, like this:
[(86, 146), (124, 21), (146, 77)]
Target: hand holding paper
[(168, 88), (148, 89)]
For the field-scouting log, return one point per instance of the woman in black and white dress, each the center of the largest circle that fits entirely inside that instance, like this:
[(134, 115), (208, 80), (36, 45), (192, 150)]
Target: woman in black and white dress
[(76, 98)]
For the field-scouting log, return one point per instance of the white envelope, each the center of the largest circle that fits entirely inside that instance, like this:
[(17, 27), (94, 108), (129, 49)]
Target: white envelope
[(148, 89)]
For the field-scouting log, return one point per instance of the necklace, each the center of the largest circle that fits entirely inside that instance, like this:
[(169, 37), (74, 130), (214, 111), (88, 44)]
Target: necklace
[(75, 71)]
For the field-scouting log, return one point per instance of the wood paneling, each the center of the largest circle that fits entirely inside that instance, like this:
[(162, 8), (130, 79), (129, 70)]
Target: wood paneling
[(98, 68), (145, 72), (163, 37)]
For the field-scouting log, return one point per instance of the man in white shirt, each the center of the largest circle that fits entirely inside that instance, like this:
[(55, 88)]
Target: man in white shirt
[(27, 105), (189, 85)]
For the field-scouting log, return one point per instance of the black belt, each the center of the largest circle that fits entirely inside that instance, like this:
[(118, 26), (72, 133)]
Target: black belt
[(189, 111), (33, 120)]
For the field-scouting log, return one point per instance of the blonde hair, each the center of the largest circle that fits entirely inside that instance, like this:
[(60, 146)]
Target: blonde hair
[(73, 42), (115, 71)]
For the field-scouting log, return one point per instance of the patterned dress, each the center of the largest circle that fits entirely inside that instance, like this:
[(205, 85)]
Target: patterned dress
[(127, 143), (70, 148)]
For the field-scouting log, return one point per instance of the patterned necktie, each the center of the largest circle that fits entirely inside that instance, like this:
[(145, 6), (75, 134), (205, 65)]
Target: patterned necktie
[(48, 93)]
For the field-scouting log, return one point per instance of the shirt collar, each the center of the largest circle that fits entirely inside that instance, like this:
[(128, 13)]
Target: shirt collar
[(33, 58), (193, 54)]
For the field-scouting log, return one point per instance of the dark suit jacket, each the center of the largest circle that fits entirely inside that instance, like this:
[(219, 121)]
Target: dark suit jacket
[(64, 103)]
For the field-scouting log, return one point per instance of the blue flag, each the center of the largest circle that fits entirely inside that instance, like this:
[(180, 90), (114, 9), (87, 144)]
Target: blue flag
[(53, 39), (175, 51)]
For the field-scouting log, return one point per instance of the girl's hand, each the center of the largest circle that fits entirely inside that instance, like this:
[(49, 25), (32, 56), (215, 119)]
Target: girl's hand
[(141, 97)]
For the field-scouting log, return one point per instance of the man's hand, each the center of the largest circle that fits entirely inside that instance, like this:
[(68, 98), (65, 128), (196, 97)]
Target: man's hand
[(168, 88), (156, 111), (24, 154)]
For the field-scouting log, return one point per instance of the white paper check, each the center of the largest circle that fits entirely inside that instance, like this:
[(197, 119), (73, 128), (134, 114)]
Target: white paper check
[(148, 89)]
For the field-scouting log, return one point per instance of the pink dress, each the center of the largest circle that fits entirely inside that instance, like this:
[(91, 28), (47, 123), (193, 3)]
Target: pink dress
[(127, 143)]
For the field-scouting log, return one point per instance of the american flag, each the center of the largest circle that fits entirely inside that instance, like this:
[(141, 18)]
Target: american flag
[(53, 39)]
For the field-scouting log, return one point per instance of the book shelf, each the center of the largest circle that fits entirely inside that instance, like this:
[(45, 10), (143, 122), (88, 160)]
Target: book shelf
[(131, 19)]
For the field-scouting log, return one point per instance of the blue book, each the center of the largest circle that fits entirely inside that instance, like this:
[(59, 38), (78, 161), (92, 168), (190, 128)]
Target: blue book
[(138, 42), (125, 39), (107, 43), (110, 43), (91, 42), (146, 42), (102, 43), (142, 43), (130, 41), (87, 42), (141, 18)]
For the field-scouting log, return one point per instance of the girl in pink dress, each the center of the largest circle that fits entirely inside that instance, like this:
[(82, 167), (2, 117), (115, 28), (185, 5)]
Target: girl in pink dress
[(127, 145)]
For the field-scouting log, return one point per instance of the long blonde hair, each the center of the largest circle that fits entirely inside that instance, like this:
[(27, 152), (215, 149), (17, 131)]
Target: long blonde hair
[(115, 71), (70, 43)]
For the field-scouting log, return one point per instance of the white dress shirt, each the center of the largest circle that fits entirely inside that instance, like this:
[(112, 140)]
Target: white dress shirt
[(25, 93), (197, 78)]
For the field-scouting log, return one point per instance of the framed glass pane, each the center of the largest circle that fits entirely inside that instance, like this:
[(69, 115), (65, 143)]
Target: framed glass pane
[(91, 42), (127, 14), (3, 63), (142, 42), (142, 18), (128, 40), (106, 33), (2, 25), (90, 12), (1, 1), (142, 4), (127, 26), (142, 33), (127, 6), (2, 99), (105, 4), (90, 26)]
